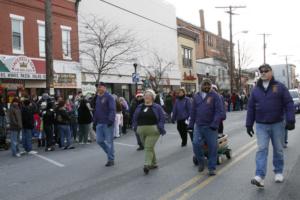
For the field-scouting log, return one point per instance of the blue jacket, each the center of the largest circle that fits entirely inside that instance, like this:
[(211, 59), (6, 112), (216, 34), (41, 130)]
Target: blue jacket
[(182, 109), (105, 109), (207, 111), (159, 114), (268, 106)]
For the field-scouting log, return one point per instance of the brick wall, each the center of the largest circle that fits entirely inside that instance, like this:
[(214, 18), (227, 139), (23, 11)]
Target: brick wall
[(33, 10)]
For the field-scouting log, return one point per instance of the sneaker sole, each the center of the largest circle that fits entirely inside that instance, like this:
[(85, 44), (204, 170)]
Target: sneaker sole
[(256, 183)]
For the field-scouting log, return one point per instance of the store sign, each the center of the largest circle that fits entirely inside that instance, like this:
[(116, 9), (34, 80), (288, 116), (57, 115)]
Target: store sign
[(64, 80), (22, 64), (22, 76)]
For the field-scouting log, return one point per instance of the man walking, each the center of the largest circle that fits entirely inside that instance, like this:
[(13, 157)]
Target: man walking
[(104, 118), (207, 112), (269, 102)]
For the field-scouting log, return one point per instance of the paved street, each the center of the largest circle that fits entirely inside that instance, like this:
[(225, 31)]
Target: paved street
[(80, 173)]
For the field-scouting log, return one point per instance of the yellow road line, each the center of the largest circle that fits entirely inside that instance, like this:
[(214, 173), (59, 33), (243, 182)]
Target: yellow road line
[(240, 150), (195, 179), (191, 192)]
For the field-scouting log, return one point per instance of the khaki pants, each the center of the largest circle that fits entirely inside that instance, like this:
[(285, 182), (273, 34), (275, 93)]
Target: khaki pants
[(149, 136)]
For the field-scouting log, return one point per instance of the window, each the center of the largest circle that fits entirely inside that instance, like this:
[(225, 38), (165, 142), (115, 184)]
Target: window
[(42, 38), (187, 57), (66, 42), (210, 41), (17, 34)]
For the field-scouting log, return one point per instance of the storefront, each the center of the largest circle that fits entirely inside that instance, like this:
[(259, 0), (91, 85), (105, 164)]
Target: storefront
[(20, 74), (23, 75)]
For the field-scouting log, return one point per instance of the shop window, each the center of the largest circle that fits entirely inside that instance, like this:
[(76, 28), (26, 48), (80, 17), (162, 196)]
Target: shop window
[(17, 33), (66, 42), (42, 38)]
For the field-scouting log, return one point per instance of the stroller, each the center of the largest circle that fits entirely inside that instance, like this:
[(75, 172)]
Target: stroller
[(223, 149)]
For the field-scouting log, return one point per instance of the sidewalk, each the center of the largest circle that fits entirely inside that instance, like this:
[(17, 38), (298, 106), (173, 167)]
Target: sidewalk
[(291, 187)]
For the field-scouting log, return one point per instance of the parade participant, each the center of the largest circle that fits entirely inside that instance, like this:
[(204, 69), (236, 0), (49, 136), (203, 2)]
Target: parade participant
[(104, 117), (206, 116), (148, 121), (269, 102), (85, 119), (181, 114)]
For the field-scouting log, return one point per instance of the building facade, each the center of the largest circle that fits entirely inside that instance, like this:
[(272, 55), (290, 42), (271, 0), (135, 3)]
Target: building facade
[(22, 42), (154, 31), (212, 53), (286, 73), (187, 42)]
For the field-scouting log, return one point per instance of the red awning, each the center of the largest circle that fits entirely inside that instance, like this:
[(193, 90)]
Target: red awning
[(40, 66)]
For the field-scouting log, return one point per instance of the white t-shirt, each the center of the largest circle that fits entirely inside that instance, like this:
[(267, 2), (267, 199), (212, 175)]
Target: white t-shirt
[(266, 84)]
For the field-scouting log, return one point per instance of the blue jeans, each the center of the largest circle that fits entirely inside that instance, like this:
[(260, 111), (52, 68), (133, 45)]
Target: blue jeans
[(105, 139), (27, 139), (265, 133), (205, 134), (65, 133), (14, 142)]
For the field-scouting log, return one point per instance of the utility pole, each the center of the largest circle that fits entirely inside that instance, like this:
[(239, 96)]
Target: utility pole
[(265, 44), (240, 69), (231, 67), (49, 47)]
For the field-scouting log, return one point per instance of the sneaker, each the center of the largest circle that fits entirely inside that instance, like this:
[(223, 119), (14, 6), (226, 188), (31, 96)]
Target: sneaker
[(258, 181), (81, 143), (32, 152), (18, 155), (278, 178), (110, 163), (212, 173), (153, 166)]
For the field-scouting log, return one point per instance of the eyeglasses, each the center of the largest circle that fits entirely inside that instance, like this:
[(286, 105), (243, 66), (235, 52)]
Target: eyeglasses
[(264, 71)]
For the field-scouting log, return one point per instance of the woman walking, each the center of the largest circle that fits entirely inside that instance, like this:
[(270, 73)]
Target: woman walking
[(181, 114), (148, 121), (85, 119)]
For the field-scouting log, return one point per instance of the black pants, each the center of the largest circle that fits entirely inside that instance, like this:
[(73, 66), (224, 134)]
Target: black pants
[(182, 129), (49, 135), (221, 128)]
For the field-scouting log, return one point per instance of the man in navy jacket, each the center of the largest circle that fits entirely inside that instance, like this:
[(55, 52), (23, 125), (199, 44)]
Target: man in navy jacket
[(270, 102), (104, 118), (206, 115)]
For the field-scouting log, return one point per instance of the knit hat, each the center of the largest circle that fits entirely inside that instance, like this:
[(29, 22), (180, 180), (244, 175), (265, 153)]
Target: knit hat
[(101, 84), (206, 80), (150, 91)]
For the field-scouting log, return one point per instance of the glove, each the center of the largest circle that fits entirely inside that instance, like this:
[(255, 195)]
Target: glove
[(250, 131), (213, 128), (290, 126)]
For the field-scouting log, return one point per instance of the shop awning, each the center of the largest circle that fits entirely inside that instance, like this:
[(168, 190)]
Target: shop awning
[(3, 68)]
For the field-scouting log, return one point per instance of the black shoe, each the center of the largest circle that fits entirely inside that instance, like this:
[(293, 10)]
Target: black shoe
[(212, 173), (183, 144), (146, 170), (140, 148), (110, 163), (153, 167), (201, 167)]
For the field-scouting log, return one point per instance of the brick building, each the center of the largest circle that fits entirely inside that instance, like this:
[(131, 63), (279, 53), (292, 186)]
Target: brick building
[(212, 52), (22, 47)]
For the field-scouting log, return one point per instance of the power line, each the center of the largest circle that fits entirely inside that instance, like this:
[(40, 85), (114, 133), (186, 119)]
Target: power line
[(141, 16)]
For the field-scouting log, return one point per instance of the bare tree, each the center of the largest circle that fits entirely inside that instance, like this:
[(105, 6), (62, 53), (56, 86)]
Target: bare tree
[(157, 71), (245, 57), (106, 45)]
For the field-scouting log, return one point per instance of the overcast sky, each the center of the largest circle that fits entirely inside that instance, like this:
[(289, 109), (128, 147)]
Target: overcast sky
[(279, 18)]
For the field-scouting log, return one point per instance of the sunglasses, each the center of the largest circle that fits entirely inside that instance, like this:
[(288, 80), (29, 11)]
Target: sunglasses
[(264, 71)]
